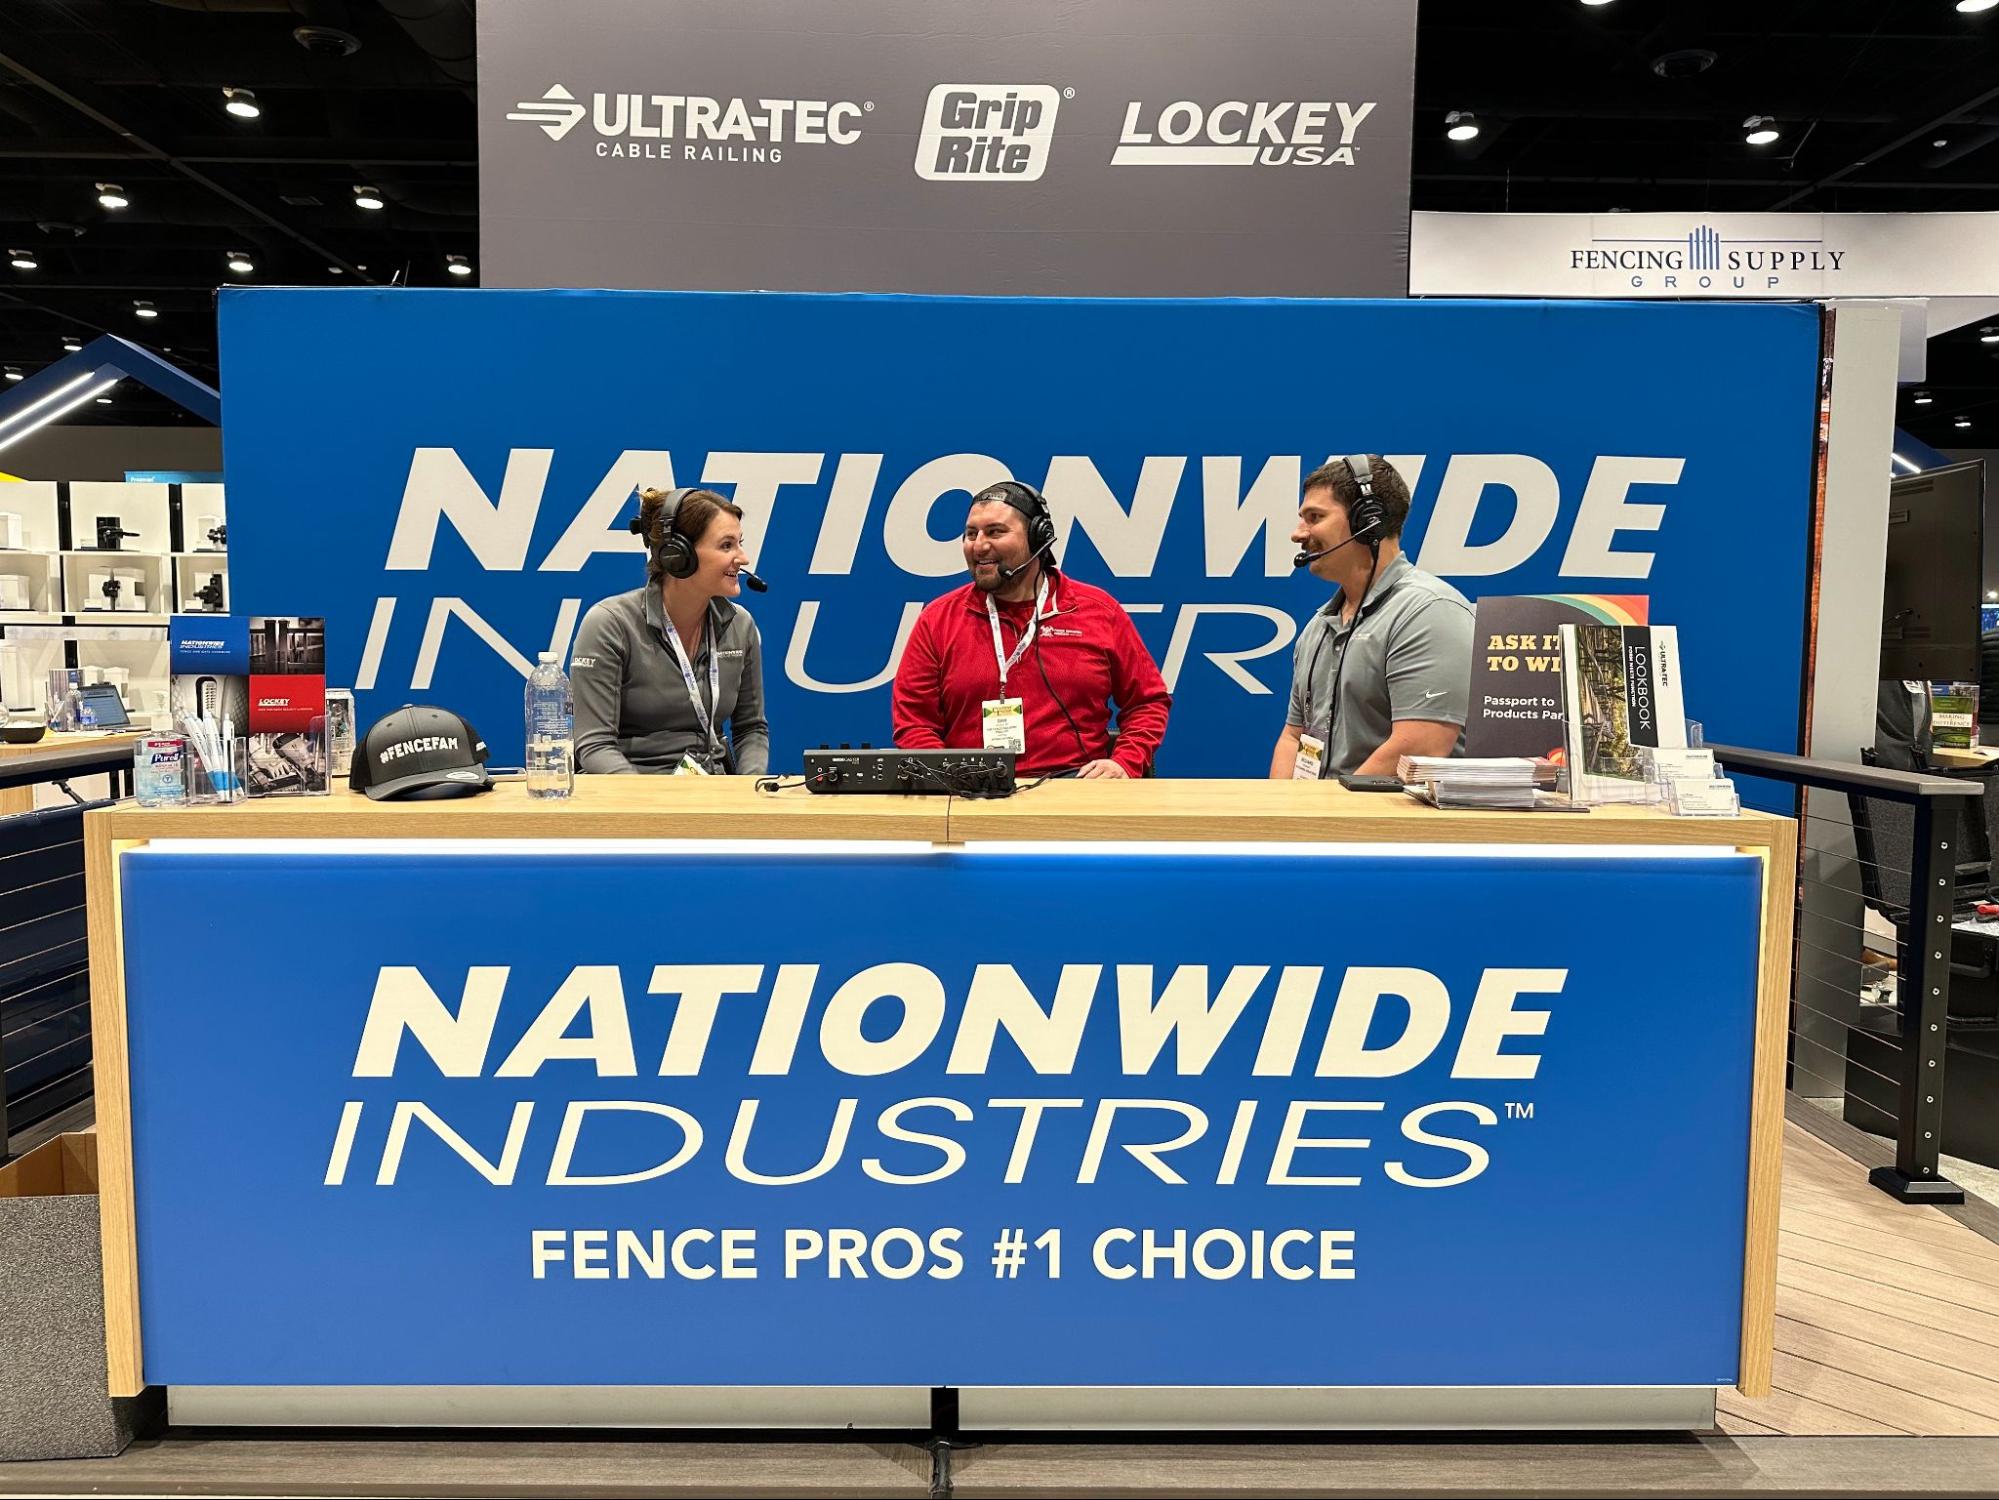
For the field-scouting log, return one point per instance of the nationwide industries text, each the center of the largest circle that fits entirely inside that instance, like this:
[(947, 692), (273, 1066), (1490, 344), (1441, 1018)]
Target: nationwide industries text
[(821, 1036), (1478, 515)]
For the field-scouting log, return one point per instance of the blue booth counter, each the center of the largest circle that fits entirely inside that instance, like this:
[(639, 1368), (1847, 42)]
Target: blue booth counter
[(1199, 1103)]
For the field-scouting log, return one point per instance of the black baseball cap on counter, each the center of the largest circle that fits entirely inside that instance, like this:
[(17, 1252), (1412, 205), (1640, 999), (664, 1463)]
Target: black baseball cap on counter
[(420, 752)]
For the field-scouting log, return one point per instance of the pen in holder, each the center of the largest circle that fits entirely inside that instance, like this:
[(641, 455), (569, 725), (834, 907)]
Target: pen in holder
[(218, 764)]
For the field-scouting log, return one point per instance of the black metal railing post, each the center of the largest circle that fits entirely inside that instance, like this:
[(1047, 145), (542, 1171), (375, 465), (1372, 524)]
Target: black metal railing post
[(1924, 989), (1923, 950)]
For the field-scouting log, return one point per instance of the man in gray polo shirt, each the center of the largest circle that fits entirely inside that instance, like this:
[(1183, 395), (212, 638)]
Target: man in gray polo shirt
[(1384, 670)]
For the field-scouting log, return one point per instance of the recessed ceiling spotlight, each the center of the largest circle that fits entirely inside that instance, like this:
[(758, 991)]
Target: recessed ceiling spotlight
[(145, 309), (110, 195), (240, 263), (103, 400), (71, 342), (367, 197), (335, 271), (1760, 130), (458, 265), (1973, 7), (1922, 398), (1940, 142), (242, 103), (1461, 125), (1962, 422), (14, 374), (24, 260), (1596, 2), (1988, 334)]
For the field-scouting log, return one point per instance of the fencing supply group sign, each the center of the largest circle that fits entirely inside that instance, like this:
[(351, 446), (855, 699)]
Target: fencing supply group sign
[(505, 1134), (1704, 255), (447, 477), (1117, 148)]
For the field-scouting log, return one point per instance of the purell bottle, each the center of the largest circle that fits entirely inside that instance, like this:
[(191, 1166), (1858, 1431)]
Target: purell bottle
[(159, 770)]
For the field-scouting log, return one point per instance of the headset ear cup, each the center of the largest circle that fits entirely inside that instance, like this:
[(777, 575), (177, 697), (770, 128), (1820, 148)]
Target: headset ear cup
[(678, 556), (1041, 534)]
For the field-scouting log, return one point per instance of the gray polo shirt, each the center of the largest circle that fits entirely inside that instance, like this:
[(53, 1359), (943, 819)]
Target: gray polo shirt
[(1407, 655), (632, 709)]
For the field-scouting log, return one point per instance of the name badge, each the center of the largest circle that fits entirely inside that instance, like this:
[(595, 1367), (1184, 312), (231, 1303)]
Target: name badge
[(1311, 762), (1005, 724)]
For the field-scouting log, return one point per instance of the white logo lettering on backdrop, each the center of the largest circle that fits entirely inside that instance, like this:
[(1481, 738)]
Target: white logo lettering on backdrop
[(1237, 133), (987, 132), (1247, 506), (696, 127), (556, 112)]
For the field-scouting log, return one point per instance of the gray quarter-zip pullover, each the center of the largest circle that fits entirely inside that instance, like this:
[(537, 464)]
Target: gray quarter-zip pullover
[(632, 709)]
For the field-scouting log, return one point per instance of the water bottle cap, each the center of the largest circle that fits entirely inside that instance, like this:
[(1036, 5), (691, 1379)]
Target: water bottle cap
[(547, 657)]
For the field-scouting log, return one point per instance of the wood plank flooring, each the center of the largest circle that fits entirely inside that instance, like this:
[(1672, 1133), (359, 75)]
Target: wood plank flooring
[(1887, 1313)]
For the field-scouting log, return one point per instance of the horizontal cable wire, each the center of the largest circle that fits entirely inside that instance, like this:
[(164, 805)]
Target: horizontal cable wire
[(82, 1037), (28, 1026), (42, 850), (47, 916), (1846, 1059), (36, 989), (18, 1100), (9, 963)]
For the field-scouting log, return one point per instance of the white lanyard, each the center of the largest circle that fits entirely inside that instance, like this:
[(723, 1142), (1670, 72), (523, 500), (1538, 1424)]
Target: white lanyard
[(1008, 663), (687, 676)]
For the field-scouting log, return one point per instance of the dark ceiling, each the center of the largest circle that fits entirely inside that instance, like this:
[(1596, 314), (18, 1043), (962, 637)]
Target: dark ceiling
[(1634, 104)]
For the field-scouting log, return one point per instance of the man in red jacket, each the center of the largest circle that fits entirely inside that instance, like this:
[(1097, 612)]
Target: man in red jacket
[(1023, 658)]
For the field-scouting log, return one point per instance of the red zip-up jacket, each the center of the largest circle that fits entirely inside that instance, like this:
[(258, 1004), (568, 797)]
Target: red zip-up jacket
[(1094, 659)]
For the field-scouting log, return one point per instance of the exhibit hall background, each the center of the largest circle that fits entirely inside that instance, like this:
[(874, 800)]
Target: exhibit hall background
[(446, 476), (1119, 148)]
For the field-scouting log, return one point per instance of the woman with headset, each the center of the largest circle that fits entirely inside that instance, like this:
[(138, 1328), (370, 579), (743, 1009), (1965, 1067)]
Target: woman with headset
[(661, 673)]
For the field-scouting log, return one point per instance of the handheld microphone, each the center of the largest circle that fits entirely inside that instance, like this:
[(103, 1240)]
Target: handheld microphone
[(757, 585), (1007, 575), (1306, 559)]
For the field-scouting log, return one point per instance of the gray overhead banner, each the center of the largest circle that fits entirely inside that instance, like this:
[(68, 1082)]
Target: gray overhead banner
[(1110, 148)]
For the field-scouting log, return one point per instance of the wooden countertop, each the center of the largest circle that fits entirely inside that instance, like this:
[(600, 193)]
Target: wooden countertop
[(74, 739), (653, 807)]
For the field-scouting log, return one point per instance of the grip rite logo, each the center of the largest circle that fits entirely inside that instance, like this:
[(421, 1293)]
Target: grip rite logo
[(987, 132), (556, 112)]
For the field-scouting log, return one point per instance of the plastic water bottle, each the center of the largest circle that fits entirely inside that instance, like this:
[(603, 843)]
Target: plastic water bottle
[(551, 719)]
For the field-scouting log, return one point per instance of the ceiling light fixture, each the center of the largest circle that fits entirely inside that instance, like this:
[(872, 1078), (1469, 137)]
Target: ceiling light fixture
[(1461, 125), (1596, 2), (24, 260), (103, 400), (1761, 129), (145, 309), (240, 263), (14, 374), (110, 195), (241, 103), (1940, 142), (1962, 422), (458, 265), (367, 197), (71, 343), (1989, 334), (1922, 398), (1973, 7)]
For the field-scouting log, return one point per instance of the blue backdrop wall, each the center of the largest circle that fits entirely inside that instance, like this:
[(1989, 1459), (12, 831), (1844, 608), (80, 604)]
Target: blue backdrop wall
[(446, 475)]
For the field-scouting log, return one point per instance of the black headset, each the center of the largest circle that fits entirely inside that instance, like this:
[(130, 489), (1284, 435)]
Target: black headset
[(1366, 514), (1026, 499), (676, 552)]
